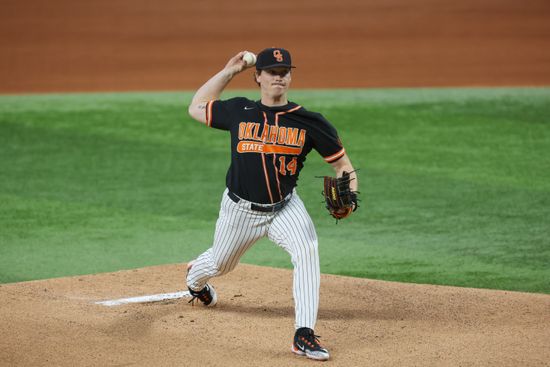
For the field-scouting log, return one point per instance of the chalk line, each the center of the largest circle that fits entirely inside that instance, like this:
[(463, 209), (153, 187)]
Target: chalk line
[(144, 299)]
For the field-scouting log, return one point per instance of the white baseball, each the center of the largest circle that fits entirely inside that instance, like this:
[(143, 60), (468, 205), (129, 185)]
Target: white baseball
[(249, 58)]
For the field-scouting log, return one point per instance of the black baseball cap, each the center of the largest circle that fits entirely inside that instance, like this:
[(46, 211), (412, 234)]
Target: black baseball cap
[(273, 58)]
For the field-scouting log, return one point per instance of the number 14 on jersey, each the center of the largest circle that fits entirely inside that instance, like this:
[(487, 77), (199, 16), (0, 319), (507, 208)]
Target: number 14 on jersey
[(290, 167)]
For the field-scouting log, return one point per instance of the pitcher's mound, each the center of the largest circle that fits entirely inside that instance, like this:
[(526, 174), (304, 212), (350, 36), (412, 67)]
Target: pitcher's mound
[(362, 322)]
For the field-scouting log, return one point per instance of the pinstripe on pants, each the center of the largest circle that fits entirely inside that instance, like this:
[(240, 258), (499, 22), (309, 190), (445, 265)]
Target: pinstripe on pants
[(238, 228)]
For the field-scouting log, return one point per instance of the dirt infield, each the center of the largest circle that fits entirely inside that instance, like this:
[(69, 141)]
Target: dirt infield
[(121, 45), (364, 323), (101, 45)]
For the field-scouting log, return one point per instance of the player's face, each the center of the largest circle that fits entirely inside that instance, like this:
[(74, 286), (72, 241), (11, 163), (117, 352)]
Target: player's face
[(275, 81)]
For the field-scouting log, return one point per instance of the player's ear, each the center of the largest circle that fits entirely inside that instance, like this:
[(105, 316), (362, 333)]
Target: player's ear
[(257, 76)]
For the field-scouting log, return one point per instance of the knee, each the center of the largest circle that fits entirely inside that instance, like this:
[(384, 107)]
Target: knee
[(306, 250), (224, 266)]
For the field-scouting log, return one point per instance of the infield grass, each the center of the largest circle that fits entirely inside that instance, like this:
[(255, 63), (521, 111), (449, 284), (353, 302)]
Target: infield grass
[(455, 185)]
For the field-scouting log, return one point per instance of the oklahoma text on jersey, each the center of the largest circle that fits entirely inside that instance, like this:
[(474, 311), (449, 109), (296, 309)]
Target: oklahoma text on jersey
[(272, 139)]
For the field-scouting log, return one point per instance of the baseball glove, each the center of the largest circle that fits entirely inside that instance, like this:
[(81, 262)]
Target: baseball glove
[(340, 200)]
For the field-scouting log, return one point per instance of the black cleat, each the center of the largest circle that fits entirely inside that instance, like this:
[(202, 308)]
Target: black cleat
[(207, 296), (306, 343)]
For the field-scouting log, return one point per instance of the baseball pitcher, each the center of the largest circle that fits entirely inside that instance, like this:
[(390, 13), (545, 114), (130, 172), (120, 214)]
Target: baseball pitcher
[(270, 139)]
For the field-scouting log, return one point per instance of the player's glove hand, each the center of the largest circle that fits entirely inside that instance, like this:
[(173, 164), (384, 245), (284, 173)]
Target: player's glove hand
[(340, 200)]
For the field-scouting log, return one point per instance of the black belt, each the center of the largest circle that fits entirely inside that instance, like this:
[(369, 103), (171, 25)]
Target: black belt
[(260, 208)]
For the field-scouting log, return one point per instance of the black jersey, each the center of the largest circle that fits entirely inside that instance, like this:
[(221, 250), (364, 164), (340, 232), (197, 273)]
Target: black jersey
[(269, 145)]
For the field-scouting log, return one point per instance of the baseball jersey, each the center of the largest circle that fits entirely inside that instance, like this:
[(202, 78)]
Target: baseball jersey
[(269, 145)]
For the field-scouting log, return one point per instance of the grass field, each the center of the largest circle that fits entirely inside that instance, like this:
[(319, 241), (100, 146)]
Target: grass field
[(455, 185)]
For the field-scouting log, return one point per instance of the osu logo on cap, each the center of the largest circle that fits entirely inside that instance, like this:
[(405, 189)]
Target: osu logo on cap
[(278, 55)]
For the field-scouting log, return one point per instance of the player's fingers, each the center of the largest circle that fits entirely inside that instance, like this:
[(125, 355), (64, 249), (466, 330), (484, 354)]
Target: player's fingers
[(246, 64), (236, 63), (238, 57)]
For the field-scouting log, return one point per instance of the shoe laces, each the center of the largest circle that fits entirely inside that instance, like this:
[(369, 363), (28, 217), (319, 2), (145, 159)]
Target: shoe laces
[(311, 340), (203, 295)]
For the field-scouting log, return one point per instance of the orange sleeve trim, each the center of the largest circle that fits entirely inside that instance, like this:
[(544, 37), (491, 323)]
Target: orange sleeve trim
[(209, 113), (335, 157)]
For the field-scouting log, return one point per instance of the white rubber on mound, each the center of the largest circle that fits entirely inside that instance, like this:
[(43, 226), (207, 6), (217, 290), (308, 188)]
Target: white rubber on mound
[(144, 299)]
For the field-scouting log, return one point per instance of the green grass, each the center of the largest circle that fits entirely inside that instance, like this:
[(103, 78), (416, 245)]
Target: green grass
[(455, 185)]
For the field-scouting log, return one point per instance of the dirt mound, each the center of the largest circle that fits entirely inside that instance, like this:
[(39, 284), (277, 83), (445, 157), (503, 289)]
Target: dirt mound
[(361, 321)]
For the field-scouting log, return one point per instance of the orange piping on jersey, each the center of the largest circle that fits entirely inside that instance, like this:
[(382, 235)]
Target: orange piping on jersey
[(272, 137), (265, 133), (277, 149), (209, 113), (265, 168), (274, 149), (285, 112), (275, 158), (265, 119), (277, 177), (289, 111), (267, 179), (282, 135), (335, 157), (256, 130)]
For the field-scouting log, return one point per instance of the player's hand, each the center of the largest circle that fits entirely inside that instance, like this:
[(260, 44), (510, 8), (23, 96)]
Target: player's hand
[(236, 64)]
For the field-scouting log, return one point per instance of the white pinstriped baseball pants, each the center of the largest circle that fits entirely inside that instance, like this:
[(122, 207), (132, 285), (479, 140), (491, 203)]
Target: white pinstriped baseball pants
[(239, 227)]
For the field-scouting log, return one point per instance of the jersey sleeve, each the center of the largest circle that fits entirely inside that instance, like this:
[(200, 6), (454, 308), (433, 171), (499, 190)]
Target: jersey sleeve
[(223, 114), (326, 141)]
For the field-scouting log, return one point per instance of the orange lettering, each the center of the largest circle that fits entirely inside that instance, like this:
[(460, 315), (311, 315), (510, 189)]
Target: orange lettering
[(242, 127), (302, 138), (291, 136), (248, 132), (282, 135), (292, 166), (265, 132), (282, 169), (273, 133), (257, 131), (250, 147)]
